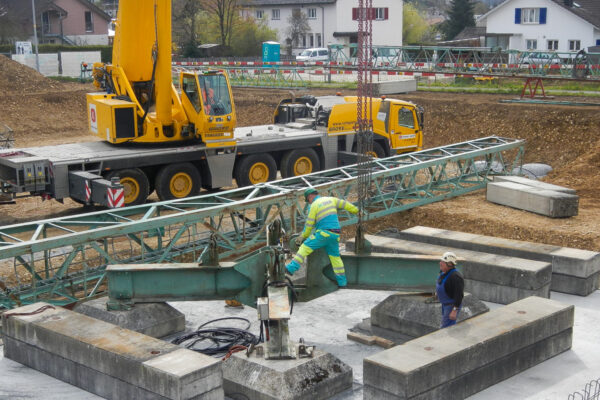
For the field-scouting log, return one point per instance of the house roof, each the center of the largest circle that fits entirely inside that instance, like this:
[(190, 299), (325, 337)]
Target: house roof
[(96, 9), (588, 10), (471, 32), (251, 3)]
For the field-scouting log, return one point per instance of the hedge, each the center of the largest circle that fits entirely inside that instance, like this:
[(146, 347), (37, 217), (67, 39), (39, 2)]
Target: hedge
[(105, 51)]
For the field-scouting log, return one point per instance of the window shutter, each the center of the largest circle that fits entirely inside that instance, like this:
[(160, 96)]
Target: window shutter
[(372, 13), (386, 13), (517, 15), (355, 14), (543, 15)]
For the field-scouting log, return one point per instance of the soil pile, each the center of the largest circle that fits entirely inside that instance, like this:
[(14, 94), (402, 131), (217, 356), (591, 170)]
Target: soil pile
[(19, 78)]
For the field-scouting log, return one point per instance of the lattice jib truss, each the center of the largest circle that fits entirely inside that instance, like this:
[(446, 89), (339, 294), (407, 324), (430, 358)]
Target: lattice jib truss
[(63, 260)]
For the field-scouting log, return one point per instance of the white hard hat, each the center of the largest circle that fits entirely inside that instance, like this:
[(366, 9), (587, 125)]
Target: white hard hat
[(449, 257)]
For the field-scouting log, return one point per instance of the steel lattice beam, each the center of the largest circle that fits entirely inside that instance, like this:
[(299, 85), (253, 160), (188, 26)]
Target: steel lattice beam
[(63, 259)]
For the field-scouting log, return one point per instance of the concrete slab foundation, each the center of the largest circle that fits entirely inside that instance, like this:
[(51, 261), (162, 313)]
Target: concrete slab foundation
[(104, 359), (152, 319), (415, 315), (458, 361), (540, 201), (489, 277), (574, 271), (319, 377)]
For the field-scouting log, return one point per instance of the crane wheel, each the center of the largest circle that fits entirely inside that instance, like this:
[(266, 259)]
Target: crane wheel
[(176, 181), (299, 162), (255, 168), (135, 183)]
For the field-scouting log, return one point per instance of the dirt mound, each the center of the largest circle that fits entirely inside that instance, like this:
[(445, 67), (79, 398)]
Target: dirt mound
[(19, 78)]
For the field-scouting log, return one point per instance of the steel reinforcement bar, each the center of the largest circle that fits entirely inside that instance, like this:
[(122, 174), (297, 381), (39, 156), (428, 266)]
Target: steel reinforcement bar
[(63, 260)]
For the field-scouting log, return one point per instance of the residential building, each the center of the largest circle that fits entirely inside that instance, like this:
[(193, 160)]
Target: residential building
[(330, 21), (545, 25), (77, 22)]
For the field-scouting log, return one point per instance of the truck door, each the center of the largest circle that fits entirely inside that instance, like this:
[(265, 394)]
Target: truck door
[(190, 96), (404, 128)]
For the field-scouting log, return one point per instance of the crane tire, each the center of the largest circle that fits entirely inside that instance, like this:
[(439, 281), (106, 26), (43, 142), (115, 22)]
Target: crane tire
[(255, 168), (177, 181), (299, 162), (135, 183)]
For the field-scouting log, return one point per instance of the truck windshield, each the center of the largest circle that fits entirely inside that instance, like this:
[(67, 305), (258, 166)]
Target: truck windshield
[(405, 118), (215, 94)]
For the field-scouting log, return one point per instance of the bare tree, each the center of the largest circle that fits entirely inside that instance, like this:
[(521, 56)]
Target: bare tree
[(185, 27), (298, 26), (226, 13)]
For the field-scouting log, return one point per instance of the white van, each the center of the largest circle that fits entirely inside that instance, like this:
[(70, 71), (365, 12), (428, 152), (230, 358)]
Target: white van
[(316, 54)]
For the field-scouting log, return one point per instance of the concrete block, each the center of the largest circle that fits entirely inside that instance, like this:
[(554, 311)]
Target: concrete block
[(394, 86), (458, 361), (416, 315), (574, 271), (319, 377), (152, 319), (489, 277), (540, 201), (533, 183), (104, 359)]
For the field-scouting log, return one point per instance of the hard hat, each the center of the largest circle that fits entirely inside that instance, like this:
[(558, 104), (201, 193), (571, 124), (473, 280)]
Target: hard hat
[(449, 257), (309, 191)]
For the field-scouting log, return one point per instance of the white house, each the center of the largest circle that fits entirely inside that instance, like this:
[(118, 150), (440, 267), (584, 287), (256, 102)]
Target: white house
[(331, 21), (545, 25)]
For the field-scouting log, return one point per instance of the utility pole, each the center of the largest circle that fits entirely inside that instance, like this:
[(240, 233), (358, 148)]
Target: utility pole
[(35, 38)]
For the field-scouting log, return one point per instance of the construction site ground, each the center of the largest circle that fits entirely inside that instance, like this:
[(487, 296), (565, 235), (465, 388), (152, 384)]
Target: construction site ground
[(46, 112)]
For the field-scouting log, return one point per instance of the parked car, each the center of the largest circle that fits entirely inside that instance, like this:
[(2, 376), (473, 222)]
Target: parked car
[(316, 54)]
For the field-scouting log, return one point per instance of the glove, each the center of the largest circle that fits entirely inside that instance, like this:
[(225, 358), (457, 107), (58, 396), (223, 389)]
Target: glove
[(299, 241)]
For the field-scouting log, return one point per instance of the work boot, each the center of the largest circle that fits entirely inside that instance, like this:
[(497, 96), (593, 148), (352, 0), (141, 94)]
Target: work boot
[(341, 280)]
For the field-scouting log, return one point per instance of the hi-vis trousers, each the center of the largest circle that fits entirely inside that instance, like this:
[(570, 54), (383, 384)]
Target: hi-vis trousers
[(321, 238)]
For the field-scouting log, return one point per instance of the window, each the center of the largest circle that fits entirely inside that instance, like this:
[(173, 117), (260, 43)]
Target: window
[(405, 118), (188, 87), (275, 13), (381, 14), (46, 22), (530, 15), (552, 44), (574, 45), (303, 40), (259, 14), (311, 13), (531, 44), (318, 35), (311, 40), (89, 24), (323, 53), (374, 13)]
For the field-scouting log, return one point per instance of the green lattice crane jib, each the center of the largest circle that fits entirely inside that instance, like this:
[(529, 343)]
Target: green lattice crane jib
[(63, 260)]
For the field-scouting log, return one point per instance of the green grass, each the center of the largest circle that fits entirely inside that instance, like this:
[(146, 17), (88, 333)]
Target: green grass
[(69, 79)]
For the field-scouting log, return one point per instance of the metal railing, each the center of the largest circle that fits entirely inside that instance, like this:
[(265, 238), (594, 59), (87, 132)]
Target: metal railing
[(591, 391)]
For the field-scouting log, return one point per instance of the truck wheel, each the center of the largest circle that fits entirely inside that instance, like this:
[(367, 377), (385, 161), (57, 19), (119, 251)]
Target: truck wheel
[(377, 152), (299, 162), (135, 183), (255, 168), (177, 181)]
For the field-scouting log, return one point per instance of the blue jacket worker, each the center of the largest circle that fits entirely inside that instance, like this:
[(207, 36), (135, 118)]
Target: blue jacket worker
[(323, 219), (450, 289)]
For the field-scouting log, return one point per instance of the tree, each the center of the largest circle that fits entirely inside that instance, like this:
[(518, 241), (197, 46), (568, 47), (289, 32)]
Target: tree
[(298, 27), (185, 26), (226, 13), (459, 17), (414, 26), (248, 36)]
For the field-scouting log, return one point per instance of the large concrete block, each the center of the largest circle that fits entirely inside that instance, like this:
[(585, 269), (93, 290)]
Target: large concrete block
[(415, 315), (489, 277), (458, 361), (395, 86), (152, 319), (316, 378), (540, 201), (574, 271), (104, 359), (533, 183)]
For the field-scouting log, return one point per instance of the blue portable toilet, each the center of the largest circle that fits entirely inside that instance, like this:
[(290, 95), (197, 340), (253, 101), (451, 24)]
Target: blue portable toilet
[(270, 51)]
